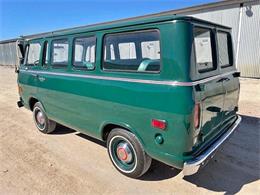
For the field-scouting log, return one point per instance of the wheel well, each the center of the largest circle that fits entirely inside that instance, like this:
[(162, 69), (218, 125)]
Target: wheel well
[(32, 101), (108, 128)]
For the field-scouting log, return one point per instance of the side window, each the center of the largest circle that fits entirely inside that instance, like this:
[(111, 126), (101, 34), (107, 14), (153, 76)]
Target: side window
[(127, 51), (225, 56), (33, 55), (45, 53), (203, 41), (132, 51), (151, 49), (84, 52), (109, 54), (60, 52)]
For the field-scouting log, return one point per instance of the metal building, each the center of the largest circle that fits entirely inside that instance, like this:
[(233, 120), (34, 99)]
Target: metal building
[(244, 18), (242, 15), (8, 52)]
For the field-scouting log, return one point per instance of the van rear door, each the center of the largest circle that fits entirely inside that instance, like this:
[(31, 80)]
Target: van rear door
[(211, 93), (230, 79), (218, 92)]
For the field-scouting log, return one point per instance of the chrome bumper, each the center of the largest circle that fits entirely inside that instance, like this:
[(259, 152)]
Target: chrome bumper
[(192, 166)]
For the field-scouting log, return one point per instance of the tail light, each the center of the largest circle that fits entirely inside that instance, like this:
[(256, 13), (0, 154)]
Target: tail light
[(197, 115), (160, 124)]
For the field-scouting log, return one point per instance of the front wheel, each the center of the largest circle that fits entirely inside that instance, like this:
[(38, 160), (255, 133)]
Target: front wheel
[(127, 153), (41, 120)]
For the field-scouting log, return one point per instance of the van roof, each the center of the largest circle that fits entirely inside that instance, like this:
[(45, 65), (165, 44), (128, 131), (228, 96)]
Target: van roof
[(120, 23)]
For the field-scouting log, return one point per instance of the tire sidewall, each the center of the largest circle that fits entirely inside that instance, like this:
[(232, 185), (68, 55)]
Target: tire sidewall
[(140, 156), (49, 125)]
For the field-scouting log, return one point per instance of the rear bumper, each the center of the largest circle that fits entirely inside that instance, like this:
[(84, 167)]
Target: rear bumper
[(192, 166)]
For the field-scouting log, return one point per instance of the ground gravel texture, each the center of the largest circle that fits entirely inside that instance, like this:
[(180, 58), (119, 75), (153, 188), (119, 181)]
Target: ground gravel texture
[(67, 162)]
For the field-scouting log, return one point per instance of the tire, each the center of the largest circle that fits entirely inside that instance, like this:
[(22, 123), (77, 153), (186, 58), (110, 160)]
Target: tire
[(127, 154), (41, 120)]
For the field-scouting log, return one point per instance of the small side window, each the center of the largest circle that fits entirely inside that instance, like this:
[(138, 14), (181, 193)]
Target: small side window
[(33, 54), (84, 52), (151, 49), (111, 52), (127, 51), (225, 56), (203, 41), (60, 53), (45, 53)]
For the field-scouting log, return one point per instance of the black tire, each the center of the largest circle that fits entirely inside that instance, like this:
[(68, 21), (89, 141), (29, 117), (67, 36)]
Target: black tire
[(41, 120), (138, 163)]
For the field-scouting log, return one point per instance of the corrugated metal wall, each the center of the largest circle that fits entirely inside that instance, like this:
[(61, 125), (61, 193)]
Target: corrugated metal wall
[(8, 53), (248, 56), (249, 48)]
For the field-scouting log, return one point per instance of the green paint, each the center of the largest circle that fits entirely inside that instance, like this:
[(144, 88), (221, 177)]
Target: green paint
[(88, 104)]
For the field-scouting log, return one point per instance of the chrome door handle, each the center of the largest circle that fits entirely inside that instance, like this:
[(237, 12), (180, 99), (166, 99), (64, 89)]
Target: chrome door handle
[(223, 79), (226, 79)]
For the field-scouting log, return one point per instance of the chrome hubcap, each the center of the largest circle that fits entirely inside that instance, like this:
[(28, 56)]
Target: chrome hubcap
[(123, 152), (40, 118)]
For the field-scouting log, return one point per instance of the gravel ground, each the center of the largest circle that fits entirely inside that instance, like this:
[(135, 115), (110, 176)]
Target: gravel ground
[(67, 162)]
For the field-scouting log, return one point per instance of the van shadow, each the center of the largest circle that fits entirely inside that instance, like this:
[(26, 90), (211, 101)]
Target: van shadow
[(60, 130), (158, 171), (99, 142), (236, 164)]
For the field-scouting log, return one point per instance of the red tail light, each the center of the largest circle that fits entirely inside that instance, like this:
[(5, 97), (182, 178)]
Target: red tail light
[(160, 124), (197, 115)]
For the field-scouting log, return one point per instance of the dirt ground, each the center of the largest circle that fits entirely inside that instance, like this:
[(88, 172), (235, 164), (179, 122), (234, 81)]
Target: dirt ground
[(67, 162)]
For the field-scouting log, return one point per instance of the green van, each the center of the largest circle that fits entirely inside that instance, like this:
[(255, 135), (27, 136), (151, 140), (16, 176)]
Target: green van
[(159, 87)]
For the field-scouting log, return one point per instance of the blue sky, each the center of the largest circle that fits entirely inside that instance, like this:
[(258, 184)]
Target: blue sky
[(24, 17)]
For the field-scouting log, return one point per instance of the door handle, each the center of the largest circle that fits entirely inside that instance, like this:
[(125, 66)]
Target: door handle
[(223, 79), (220, 80), (226, 79)]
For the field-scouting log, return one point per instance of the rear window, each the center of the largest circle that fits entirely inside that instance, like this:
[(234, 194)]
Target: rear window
[(204, 55), (225, 56), (132, 51)]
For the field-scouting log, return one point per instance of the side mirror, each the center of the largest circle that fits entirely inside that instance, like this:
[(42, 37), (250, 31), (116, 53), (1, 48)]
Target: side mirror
[(16, 70), (89, 65), (19, 55)]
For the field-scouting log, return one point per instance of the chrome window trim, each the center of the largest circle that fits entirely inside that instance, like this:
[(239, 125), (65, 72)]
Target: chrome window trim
[(145, 81)]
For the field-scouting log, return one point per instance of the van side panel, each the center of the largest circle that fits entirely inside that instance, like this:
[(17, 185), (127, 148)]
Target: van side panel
[(94, 102), (85, 104)]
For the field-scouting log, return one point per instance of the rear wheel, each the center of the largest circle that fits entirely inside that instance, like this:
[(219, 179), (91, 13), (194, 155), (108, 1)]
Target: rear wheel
[(127, 153), (41, 120)]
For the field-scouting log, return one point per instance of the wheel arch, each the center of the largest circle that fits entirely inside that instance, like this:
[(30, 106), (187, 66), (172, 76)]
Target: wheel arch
[(32, 101), (108, 126)]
